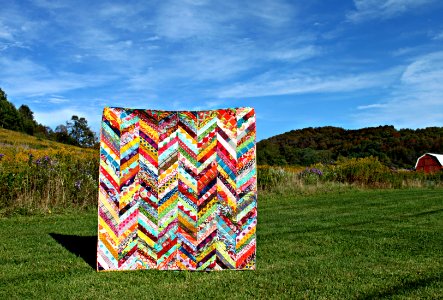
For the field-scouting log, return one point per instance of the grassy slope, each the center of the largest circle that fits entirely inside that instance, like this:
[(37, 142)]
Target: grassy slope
[(362, 244), (16, 146)]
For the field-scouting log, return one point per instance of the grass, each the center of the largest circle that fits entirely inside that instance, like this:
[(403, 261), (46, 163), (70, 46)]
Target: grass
[(355, 244), (40, 175), (17, 145)]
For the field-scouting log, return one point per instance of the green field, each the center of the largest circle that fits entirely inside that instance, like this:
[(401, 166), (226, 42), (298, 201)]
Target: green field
[(339, 245)]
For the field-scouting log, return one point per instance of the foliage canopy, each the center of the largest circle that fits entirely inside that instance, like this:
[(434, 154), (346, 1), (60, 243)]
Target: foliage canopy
[(394, 148)]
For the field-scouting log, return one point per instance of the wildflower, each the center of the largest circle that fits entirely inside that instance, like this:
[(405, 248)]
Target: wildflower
[(316, 171), (78, 184), (1, 156)]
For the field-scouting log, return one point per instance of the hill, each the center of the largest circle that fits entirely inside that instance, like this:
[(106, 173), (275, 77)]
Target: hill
[(41, 175), (395, 148), (16, 146)]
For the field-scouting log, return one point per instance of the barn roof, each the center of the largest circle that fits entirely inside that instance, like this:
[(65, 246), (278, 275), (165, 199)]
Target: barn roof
[(439, 157)]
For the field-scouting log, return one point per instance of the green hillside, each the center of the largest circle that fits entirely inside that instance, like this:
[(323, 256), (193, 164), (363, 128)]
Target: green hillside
[(394, 148), (42, 175), (17, 145)]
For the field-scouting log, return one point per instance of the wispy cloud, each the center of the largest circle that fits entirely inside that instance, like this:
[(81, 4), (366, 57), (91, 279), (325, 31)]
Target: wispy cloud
[(272, 84), (201, 54), (5, 33), (370, 106), (55, 99), (417, 101), (438, 36), (295, 54), (205, 42), (8, 37), (383, 9), (27, 78), (214, 19)]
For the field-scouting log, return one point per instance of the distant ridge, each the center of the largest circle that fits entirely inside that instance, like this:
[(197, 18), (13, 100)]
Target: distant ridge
[(395, 148)]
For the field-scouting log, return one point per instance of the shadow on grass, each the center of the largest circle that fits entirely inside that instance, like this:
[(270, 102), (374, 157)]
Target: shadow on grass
[(83, 246), (404, 288)]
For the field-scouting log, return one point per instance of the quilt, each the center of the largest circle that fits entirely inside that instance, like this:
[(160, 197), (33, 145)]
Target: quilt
[(177, 190)]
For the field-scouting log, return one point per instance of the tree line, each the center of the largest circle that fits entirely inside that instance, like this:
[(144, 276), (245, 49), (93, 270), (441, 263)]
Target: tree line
[(74, 132), (395, 148)]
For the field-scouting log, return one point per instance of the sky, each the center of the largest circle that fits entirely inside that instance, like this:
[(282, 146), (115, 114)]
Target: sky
[(350, 64)]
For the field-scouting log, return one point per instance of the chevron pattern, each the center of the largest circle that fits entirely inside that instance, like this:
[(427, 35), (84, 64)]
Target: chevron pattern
[(178, 190)]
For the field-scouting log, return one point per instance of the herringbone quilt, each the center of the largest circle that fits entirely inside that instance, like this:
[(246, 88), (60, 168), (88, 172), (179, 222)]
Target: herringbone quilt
[(177, 190)]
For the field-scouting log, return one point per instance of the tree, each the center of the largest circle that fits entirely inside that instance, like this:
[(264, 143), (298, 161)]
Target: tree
[(80, 132), (9, 116), (3, 96), (61, 135), (27, 116), (42, 131)]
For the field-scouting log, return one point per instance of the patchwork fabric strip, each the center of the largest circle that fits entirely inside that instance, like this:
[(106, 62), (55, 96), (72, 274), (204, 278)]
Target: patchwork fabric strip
[(178, 190)]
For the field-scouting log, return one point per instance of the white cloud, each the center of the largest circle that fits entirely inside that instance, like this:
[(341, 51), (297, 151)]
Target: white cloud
[(295, 54), (53, 118), (425, 73), (370, 106), (150, 47), (214, 19), (26, 78), (417, 101), (438, 36), (55, 99), (179, 19), (272, 84), (5, 33), (383, 9), (225, 62), (152, 38), (272, 12), (8, 37)]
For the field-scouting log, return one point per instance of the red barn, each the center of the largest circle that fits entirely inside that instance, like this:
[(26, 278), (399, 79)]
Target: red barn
[(429, 163)]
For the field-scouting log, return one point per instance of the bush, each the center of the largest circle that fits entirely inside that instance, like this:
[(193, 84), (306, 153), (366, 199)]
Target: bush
[(366, 172)]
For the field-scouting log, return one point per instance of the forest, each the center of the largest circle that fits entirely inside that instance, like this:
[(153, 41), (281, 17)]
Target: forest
[(394, 148)]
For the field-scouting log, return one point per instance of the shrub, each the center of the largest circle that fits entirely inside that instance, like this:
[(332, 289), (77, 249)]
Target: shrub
[(366, 172)]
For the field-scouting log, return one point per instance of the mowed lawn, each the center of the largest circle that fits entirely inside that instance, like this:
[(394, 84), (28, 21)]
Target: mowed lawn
[(349, 245)]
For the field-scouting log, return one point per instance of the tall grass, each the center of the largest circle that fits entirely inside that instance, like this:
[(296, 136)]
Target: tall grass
[(48, 182), (38, 175), (358, 173)]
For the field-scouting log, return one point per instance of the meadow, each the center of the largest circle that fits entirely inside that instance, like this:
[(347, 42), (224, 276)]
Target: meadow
[(352, 229), (42, 176), (349, 244)]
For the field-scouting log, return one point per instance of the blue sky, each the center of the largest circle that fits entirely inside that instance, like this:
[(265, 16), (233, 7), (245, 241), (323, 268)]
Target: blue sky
[(300, 64)]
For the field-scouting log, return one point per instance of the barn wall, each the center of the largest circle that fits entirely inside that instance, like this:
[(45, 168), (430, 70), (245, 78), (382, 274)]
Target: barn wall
[(428, 164)]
